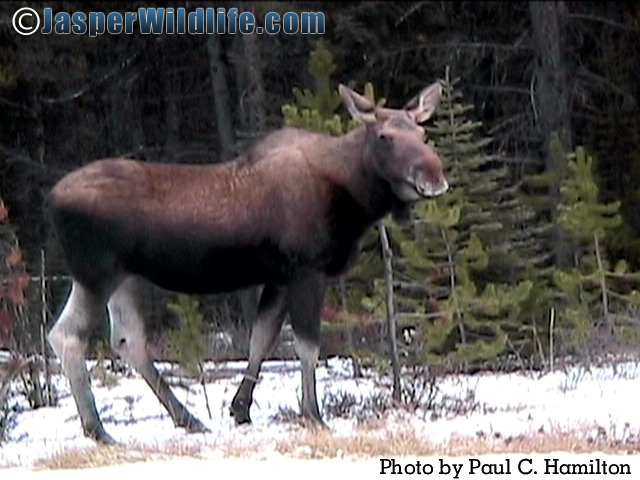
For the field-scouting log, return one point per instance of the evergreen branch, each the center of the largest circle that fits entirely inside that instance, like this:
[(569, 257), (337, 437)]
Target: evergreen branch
[(618, 296), (628, 318), (420, 316), (623, 276)]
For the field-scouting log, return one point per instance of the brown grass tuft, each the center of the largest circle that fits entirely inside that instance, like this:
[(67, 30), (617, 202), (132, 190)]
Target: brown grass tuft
[(101, 455), (89, 457), (376, 441), (372, 439)]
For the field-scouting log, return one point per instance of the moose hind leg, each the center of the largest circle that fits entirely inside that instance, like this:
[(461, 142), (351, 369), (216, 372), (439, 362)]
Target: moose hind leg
[(69, 338), (305, 304), (265, 329), (128, 339)]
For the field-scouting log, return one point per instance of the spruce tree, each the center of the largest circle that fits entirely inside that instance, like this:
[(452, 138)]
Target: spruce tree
[(594, 294), (188, 342), (317, 109), (461, 277)]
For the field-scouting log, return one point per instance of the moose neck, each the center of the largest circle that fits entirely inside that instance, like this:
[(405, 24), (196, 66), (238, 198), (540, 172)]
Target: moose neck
[(353, 170)]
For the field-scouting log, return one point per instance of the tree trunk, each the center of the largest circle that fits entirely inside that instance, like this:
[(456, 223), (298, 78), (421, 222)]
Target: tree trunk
[(239, 75), (171, 120), (224, 119), (125, 132), (251, 108), (38, 399), (134, 107), (551, 97), (255, 83)]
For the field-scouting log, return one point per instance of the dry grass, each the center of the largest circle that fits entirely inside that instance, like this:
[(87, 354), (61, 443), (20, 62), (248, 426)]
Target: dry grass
[(371, 440), (101, 455), (89, 457), (379, 441)]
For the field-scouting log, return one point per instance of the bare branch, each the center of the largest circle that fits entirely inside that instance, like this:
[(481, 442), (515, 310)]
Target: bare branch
[(518, 46), (518, 117), (387, 255), (532, 99), (409, 12), (75, 94), (11, 104), (498, 88), (604, 21), (594, 77)]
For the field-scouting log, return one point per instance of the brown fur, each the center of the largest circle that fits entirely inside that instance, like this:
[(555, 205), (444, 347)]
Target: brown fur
[(288, 214)]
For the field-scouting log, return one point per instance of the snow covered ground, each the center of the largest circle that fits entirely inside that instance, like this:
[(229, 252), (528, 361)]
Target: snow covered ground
[(597, 402)]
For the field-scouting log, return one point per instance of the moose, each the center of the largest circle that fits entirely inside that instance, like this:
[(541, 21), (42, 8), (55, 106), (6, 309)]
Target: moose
[(287, 215)]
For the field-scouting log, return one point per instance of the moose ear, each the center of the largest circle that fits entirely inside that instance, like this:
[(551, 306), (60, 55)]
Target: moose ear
[(359, 107), (422, 106)]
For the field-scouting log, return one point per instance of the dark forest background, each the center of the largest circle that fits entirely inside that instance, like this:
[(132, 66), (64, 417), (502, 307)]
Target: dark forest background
[(541, 79)]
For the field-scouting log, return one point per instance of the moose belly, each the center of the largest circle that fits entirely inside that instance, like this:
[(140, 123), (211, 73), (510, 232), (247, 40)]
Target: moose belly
[(192, 268), (188, 260)]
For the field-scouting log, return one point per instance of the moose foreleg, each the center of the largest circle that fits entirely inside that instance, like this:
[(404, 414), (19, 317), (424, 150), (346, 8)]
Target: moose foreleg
[(69, 338), (128, 339), (265, 330), (305, 304)]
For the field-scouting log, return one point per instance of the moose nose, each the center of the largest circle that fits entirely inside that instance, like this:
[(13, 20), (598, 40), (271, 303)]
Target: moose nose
[(440, 189), (433, 189), (437, 189)]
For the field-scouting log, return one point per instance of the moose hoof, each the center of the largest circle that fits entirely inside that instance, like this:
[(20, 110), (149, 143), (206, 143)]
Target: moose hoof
[(240, 412), (320, 425), (100, 436), (196, 426), (193, 425), (314, 423)]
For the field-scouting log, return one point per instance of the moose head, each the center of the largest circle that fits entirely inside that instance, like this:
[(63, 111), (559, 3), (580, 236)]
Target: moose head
[(395, 141)]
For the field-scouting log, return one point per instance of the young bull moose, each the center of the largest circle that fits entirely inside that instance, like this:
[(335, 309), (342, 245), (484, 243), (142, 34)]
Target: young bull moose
[(287, 215)]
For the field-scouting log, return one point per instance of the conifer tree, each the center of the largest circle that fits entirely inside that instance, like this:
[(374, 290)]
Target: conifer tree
[(317, 109), (463, 281), (188, 342), (594, 294)]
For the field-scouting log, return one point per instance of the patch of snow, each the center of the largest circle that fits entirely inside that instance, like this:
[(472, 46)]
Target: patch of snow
[(601, 399)]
